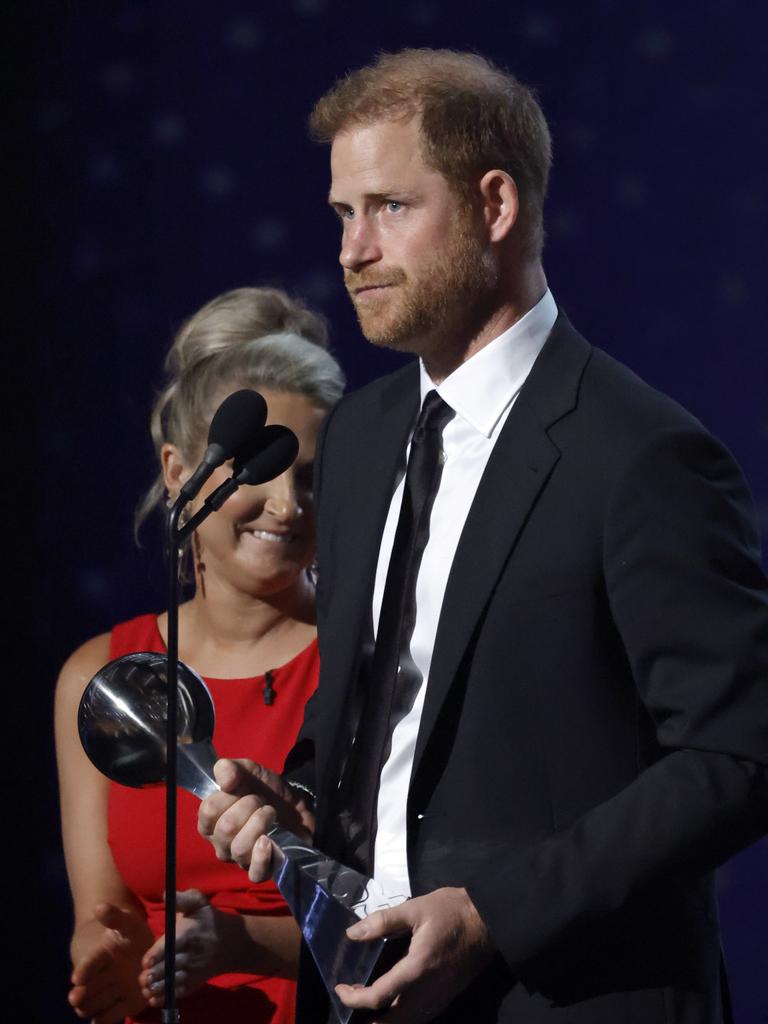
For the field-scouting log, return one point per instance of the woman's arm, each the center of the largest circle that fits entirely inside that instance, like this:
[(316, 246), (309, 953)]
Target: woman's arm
[(111, 934)]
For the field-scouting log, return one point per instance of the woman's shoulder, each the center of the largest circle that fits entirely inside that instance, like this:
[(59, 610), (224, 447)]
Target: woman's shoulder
[(83, 664), (141, 633)]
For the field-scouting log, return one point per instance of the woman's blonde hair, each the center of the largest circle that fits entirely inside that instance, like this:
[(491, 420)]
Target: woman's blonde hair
[(248, 337)]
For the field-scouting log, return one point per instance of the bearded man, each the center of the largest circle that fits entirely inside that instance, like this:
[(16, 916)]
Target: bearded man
[(542, 713)]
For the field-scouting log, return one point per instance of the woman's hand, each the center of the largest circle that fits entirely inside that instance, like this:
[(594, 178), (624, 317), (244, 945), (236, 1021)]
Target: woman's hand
[(201, 938), (105, 980)]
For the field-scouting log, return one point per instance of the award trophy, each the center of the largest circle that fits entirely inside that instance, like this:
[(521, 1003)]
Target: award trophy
[(122, 722)]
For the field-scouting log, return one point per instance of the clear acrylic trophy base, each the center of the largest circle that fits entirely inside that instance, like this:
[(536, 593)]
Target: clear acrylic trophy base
[(121, 721)]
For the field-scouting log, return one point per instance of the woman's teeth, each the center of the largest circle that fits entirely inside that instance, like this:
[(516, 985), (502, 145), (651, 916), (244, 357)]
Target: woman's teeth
[(282, 538)]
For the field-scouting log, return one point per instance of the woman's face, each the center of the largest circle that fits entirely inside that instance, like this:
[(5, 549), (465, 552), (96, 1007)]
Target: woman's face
[(263, 537)]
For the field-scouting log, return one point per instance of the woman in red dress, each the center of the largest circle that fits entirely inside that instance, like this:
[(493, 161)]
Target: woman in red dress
[(249, 631)]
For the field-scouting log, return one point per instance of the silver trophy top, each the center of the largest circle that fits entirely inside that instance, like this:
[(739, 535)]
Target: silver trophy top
[(122, 723)]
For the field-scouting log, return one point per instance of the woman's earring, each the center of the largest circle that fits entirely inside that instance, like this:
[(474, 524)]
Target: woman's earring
[(199, 563), (312, 573)]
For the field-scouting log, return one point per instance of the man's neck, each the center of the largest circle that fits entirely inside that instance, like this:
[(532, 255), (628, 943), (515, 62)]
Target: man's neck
[(520, 294)]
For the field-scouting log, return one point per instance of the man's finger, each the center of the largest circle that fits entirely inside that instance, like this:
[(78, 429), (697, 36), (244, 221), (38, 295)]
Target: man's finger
[(258, 823), (383, 923), (383, 992), (231, 822), (210, 810), (235, 776), (261, 860)]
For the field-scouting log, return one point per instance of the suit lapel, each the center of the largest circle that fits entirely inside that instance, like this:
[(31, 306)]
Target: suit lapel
[(359, 525), (361, 521), (520, 464)]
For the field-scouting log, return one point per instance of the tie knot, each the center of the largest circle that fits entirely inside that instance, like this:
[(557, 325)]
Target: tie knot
[(434, 414)]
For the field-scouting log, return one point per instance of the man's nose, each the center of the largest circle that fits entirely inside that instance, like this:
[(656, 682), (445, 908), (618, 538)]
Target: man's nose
[(359, 245)]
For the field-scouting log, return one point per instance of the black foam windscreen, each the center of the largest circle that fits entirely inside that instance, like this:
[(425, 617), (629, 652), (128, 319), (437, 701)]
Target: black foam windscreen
[(278, 447), (237, 424)]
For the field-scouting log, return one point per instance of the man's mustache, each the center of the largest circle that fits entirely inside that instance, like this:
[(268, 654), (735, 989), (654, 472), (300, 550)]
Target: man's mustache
[(354, 280)]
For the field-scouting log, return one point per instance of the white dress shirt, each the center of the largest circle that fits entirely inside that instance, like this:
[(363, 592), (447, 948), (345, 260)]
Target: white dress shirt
[(481, 391)]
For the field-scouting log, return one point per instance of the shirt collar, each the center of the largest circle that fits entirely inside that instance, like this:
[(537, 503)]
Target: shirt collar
[(481, 389)]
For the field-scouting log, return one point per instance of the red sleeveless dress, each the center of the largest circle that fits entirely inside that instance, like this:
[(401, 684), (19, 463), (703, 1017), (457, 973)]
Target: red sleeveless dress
[(246, 726)]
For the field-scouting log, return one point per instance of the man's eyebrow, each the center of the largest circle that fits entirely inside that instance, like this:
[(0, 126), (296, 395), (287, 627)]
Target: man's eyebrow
[(378, 196)]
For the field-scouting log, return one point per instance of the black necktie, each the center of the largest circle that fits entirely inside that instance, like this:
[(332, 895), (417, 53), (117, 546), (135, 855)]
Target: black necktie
[(391, 658)]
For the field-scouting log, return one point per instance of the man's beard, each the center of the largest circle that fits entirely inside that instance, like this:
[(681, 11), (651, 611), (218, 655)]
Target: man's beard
[(444, 304)]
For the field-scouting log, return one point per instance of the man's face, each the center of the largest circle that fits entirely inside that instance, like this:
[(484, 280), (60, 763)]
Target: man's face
[(414, 263)]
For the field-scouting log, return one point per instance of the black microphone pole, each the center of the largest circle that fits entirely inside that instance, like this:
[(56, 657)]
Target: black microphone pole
[(170, 1015)]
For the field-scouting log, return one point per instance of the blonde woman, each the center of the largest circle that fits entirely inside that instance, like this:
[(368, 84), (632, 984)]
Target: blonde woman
[(249, 630)]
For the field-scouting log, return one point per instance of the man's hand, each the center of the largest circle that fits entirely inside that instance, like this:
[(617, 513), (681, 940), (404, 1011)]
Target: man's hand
[(251, 800), (449, 947), (105, 982)]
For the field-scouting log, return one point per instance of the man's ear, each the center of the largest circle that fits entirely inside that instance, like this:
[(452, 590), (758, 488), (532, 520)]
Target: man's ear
[(501, 205), (175, 471)]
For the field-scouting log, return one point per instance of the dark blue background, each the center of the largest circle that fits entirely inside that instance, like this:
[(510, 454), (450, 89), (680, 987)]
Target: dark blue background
[(161, 158)]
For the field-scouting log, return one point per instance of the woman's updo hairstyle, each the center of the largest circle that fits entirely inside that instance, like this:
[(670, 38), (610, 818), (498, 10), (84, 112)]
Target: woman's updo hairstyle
[(246, 338)]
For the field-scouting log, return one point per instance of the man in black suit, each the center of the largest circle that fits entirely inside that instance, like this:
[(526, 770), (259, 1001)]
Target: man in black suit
[(578, 731)]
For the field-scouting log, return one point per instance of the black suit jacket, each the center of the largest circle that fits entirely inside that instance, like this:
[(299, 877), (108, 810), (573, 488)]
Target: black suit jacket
[(595, 729)]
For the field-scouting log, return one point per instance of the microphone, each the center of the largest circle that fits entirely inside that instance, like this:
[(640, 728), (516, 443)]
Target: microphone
[(234, 429), (278, 447)]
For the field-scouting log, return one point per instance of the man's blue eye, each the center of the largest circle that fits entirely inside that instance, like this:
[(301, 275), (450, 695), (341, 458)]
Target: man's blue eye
[(394, 205)]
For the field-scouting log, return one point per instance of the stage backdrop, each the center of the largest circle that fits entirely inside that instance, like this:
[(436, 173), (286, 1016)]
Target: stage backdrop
[(162, 158)]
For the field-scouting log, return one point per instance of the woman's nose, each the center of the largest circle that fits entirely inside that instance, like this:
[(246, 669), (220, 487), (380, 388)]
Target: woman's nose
[(282, 501)]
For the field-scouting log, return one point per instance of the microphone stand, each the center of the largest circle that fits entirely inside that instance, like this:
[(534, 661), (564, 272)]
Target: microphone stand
[(175, 536), (170, 1015)]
